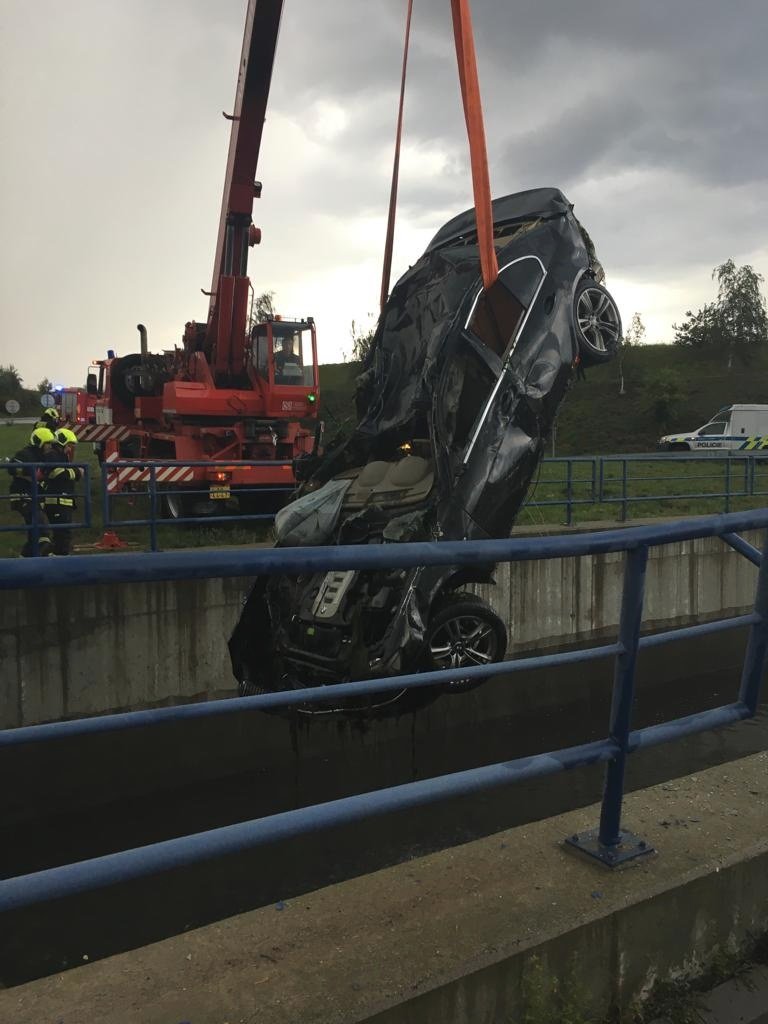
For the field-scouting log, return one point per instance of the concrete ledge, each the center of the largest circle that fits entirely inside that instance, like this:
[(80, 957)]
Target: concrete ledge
[(474, 935)]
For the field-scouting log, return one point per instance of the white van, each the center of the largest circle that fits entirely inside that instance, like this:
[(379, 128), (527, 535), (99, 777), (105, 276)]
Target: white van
[(742, 427)]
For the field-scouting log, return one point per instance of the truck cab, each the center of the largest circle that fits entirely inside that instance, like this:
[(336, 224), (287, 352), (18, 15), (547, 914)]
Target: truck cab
[(732, 428)]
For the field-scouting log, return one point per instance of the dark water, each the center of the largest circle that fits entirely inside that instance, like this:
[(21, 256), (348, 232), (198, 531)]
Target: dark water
[(74, 803)]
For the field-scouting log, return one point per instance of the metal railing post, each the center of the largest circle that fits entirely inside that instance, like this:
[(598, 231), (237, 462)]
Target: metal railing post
[(601, 490), (152, 507), (87, 503), (569, 492), (34, 540), (105, 516), (757, 645), (623, 490), (609, 844), (727, 503)]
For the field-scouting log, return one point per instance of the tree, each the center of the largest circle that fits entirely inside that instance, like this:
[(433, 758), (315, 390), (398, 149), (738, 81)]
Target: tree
[(635, 333), (664, 392), (632, 336), (263, 308), (361, 342), (736, 322), (11, 384), (44, 386)]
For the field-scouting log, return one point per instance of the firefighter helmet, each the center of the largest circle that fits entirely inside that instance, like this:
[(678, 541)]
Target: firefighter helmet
[(65, 436), (51, 415), (41, 436)]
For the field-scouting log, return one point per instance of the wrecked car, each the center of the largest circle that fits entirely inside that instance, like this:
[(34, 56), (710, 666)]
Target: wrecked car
[(457, 396)]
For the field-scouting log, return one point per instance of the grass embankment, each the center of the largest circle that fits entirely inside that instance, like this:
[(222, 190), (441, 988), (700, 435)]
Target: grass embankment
[(595, 419)]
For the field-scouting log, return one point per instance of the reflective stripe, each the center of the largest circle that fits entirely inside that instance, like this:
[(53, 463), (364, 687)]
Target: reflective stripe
[(59, 501)]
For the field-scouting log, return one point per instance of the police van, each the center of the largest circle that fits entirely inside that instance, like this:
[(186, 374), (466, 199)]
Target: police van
[(734, 427)]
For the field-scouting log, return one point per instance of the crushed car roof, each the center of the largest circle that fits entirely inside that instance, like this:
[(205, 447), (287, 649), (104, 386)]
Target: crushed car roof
[(536, 202)]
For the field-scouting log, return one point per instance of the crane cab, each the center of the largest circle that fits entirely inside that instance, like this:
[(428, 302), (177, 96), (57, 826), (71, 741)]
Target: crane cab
[(283, 361)]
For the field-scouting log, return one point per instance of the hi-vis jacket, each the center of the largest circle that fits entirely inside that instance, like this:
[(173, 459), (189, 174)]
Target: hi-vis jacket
[(60, 484), (21, 475)]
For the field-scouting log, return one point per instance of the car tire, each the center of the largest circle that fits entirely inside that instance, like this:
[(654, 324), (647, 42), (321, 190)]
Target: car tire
[(597, 323), (463, 631)]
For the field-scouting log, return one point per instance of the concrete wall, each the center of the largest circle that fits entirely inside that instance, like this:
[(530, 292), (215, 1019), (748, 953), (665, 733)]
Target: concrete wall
[(556, 601), (79, 651)]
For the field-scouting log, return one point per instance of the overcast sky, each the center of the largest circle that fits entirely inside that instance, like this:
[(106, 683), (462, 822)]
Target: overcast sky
[(649, 116)]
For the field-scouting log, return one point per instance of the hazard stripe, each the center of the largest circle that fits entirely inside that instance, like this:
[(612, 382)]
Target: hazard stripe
[(101, 432), (166, 474)]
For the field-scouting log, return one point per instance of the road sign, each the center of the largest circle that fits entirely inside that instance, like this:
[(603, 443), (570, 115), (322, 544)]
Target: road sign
[(47, 400), (12, 406)]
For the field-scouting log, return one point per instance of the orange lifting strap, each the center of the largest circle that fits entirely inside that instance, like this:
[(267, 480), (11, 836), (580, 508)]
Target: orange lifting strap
[(478, 154), (473, 116)]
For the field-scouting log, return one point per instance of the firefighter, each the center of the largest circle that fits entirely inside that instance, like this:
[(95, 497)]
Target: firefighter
[(50, 419), (60, 487), (41, 442)]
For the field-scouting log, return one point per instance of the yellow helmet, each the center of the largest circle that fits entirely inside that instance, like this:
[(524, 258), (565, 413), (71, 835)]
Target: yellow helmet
[(66, 436), (41, 436), (51, 414)]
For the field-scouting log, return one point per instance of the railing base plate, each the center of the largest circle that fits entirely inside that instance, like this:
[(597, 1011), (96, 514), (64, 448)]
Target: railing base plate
[(628, 848)]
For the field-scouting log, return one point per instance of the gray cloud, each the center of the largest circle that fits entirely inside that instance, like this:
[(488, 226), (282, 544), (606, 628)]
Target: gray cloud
[(649, 116)]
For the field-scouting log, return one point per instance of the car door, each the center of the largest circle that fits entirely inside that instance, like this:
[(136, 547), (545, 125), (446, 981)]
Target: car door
[(711, 436)]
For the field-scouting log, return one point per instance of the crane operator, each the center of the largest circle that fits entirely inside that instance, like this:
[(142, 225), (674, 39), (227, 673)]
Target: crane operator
[(285, 355)]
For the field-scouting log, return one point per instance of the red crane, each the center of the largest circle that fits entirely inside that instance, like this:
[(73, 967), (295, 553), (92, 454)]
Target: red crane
[(234, 391)]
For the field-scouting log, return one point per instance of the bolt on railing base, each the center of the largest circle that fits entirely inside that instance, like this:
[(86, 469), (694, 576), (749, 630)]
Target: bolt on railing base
[(629, 847)]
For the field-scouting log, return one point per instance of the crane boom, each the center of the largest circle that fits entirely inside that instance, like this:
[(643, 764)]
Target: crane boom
[(229, 286)]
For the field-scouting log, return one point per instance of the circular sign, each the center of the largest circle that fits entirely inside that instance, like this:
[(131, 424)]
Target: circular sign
[(12, 406), (47, 401)]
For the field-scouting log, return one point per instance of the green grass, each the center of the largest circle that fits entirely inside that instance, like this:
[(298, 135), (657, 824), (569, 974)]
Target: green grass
[(672, 487)]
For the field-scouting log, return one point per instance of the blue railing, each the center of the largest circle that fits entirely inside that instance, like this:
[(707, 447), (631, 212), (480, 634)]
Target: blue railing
[(611, 480), (609, 842), (39, 524), (153, 488), (586, 480)]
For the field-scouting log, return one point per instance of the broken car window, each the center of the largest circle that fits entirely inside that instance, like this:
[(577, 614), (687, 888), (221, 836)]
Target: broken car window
[(498, 312)]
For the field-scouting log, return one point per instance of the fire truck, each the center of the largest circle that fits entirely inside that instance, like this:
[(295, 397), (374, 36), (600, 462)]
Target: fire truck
[(234, 390)]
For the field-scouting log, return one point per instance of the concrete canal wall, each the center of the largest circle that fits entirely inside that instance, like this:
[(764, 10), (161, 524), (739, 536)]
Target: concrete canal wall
[(78, 651)]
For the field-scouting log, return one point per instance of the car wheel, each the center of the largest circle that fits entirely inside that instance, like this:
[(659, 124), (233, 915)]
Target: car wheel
[(598, 324), (464, 631)]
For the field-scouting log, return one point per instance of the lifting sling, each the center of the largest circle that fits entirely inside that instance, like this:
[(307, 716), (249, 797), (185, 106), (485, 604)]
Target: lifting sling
[(466, 59)]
